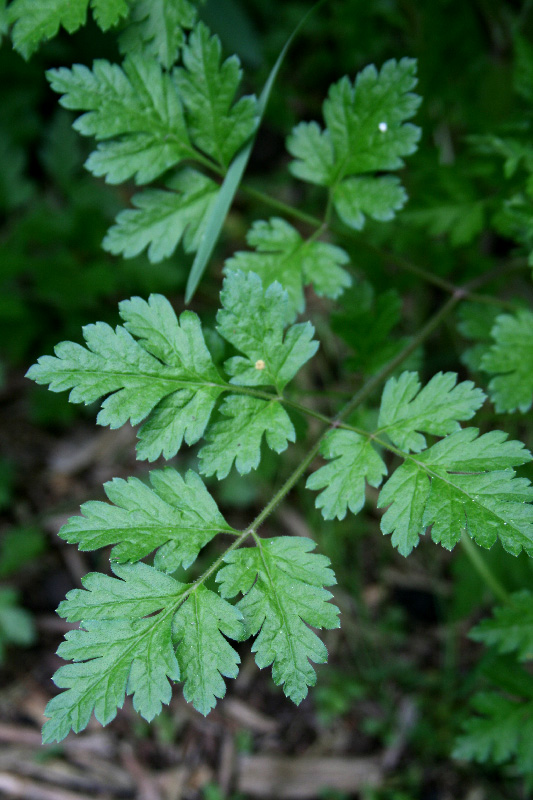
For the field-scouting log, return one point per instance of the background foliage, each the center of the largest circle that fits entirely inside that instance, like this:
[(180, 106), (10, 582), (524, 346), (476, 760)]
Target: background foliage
[(469, 215)]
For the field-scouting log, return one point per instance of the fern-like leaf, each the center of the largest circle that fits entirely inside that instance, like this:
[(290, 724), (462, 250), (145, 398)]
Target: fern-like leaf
[(254, 321), (135, 108), (511, 627), (353, 459), (204, 655), (118, 650), (501, 731), (169, 361), (35, 21), (464, 482), (157, 369), (282, 255), (176, 517), (406, 409), (208, 89), (366, 132), (131, 626), (157, 27), (238, 438), (162, 219), (282, 583)]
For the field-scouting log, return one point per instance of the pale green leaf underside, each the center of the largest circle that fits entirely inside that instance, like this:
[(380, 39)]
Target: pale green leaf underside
[(176, 516), (510, 361), (205, 657), (282, 583), (121, 650), (117, 651), (282, 255)]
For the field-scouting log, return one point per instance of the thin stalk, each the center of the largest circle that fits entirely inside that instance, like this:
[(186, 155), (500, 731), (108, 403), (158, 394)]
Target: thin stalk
[(358, 398), (280, 206), (400, 261), (389, 368), (483, 569)]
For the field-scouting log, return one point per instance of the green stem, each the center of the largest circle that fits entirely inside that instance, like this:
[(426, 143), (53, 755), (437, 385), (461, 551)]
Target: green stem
[(389, 368), (280, 206), (483, 569)]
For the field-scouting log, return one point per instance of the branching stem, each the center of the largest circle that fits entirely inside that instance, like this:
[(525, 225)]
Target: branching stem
[(398, 260)]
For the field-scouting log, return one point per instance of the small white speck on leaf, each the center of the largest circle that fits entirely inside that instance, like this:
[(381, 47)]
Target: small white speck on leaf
[(383, 127), (260, 364)]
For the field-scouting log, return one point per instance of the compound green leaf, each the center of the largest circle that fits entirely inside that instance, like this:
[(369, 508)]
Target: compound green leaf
[(282, 255), (162, 219), (510, 360), (177, 517), (168, 361), (253, 320), (157, 28), (115, 654), (366, 132), (156, 369), (353, 460), (282, 583), (238, 438), (511, 627), (462, 483), (208, 88), (406, 409), (503, 731), (204, 655), (138, 103)]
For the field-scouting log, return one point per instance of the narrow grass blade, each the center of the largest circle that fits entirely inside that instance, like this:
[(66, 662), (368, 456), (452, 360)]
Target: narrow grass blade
[(234, 175)]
